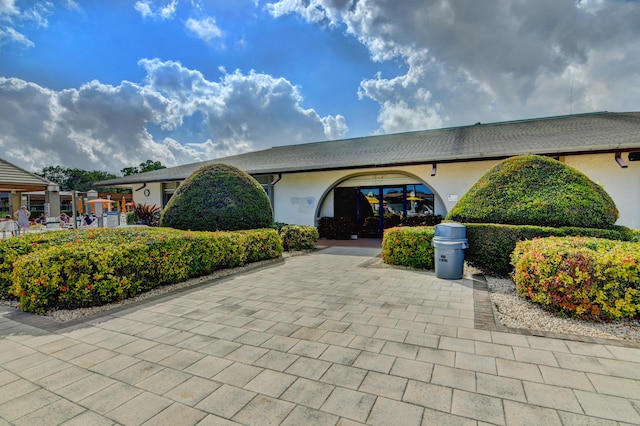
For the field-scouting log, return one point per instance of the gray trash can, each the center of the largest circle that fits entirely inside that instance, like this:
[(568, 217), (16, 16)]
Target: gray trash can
[(450, 242)]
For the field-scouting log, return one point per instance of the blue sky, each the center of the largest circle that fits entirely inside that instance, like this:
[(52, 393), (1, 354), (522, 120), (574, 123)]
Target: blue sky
[(103, 85)]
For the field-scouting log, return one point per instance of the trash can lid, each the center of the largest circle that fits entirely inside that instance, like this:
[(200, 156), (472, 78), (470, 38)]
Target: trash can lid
[(451, 230)]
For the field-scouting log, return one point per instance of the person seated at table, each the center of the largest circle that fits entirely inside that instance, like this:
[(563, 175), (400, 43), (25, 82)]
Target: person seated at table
[(7, 226), (87, 220), (41, 220), (64, 220)]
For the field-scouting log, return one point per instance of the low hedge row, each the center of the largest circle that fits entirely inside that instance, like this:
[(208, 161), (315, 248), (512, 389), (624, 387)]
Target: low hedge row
[(582, 277), (490, 245), (409, 246), (83, 268), (336, 228), (295, 237)]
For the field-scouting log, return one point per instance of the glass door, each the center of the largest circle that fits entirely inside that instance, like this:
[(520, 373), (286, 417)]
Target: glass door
[(376, 208), (369, 207)]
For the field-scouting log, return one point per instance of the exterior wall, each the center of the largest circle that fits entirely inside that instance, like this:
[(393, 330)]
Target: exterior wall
[(299, 197), (623, 185), (296, 196), (302, 198), (154, 197)]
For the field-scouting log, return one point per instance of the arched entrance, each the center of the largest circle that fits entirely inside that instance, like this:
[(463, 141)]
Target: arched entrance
[(374, 202)]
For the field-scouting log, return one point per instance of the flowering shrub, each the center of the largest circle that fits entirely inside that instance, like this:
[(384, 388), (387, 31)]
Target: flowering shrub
[(491, 245), (12, 248), (582, 277), (93, 267), (409, 246), (299, 237)]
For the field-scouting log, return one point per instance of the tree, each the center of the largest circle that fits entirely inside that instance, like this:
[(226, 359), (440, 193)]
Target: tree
[(147, 166), (76, 179), (56, 174)]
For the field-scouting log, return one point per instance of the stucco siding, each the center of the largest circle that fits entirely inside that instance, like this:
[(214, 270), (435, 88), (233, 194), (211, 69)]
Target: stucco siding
[(299, 197), (623, 185), (155, 194)]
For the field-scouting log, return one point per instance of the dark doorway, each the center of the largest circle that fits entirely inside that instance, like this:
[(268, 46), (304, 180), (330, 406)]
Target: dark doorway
[(375, 208)]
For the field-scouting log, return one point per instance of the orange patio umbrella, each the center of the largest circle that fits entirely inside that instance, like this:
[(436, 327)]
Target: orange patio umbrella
[(104, 201), (79, 206)]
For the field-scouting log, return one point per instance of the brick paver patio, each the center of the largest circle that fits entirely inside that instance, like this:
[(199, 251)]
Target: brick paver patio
[(320, 339)]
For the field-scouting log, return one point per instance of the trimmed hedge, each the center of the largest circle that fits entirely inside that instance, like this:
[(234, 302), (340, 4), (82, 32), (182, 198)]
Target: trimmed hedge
[(536, 190), (218, 197), (490, 245), (426, 220), (409, 246), (296, 237), (106, 265), (336, 228), (581, 277)]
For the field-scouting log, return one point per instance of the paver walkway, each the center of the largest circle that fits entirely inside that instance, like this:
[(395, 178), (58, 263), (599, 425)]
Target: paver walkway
[(318, 339)]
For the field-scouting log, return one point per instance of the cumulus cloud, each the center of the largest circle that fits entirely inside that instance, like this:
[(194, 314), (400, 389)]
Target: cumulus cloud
[(491, 60), (205, 29), (240, 109), (156, 10), (104, 127)]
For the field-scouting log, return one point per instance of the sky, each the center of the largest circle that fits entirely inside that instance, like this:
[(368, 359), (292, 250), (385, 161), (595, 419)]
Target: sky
[(104, 85)]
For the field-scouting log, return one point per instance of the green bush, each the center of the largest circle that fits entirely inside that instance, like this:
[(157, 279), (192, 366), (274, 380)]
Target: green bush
[(535, 190), (426, 220), (218, 197), (146, 214), (491, 245), (12, 248), (299, 237), (581, 277), (336, 228), (409, 246), (91, 267), (132, 218)]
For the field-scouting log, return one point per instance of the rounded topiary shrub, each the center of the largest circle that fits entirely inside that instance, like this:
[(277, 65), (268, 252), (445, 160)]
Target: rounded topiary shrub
[(218, 197), (536, 190)]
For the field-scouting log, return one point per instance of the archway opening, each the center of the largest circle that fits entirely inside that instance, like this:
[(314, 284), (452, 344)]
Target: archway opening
[(374, 203)]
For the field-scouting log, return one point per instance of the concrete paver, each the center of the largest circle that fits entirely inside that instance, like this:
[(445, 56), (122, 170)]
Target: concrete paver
[(326, 338)]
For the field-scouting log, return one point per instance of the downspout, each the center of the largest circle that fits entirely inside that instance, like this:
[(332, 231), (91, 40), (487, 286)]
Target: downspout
[(276, 180), (271, 194)]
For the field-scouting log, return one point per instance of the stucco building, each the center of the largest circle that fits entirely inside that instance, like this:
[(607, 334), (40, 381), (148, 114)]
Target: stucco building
[(421, 172)]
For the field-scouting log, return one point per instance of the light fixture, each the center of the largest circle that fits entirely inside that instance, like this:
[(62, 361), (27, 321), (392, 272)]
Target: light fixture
[(434, 168)]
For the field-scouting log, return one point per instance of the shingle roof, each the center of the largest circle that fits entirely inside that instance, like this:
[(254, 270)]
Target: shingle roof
[(13, 178), (595, 132)]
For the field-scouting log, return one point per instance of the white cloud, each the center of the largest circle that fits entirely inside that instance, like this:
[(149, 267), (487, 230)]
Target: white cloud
[(489, 60), (151, 9), (205, 29), (8, 7), (12, 18), (9, 34), (104, 127)]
